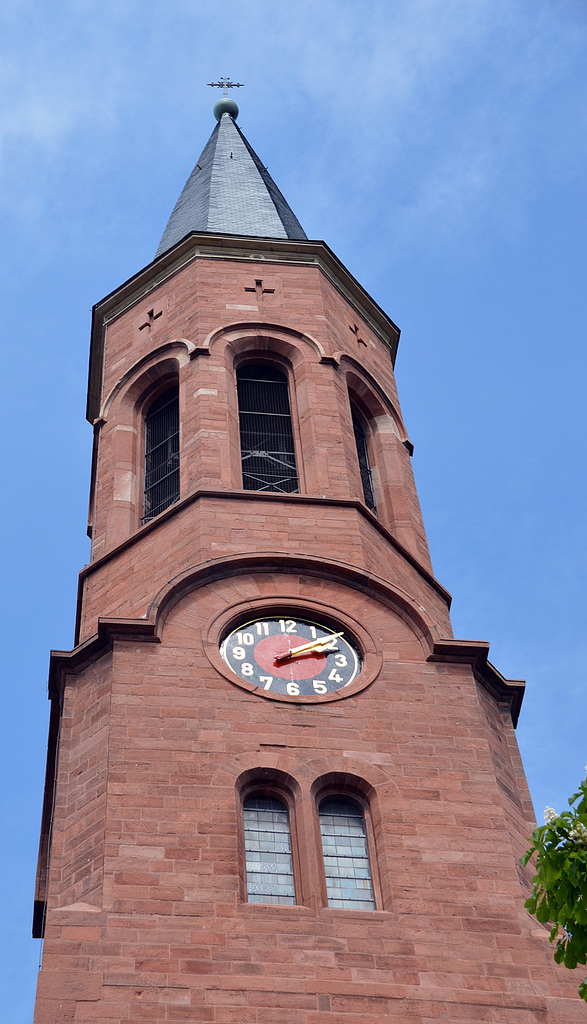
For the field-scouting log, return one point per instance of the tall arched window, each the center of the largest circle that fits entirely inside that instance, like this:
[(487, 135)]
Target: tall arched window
[(267, 443), (346, 856), (364, 468), (161, 454), (268, 851)]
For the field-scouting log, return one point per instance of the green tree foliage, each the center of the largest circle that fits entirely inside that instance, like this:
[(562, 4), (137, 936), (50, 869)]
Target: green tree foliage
[(560, 884)]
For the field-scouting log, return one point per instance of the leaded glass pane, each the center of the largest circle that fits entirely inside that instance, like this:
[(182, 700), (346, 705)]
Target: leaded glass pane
[(268, 852), (346, 857)]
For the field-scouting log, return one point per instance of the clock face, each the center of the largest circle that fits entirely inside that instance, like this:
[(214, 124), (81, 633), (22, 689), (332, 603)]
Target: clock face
[(296, 657)]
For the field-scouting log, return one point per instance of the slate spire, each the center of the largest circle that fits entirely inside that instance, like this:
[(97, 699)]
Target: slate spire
[(229, 191)]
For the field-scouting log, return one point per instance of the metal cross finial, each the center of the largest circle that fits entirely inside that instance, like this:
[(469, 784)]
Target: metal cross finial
[(226, 84)]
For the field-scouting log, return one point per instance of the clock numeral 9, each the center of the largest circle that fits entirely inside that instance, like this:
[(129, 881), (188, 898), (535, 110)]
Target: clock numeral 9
[(239, 653)]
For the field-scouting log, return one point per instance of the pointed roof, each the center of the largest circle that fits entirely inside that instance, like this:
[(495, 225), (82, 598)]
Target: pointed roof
[(230, 192)]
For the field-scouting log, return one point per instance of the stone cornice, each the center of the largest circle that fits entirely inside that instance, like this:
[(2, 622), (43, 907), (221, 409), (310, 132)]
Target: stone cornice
[(304, 499), (509, 692)]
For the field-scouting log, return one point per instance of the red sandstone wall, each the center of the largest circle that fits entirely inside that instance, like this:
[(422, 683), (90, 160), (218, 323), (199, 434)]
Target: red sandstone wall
[(218, 527), (172, 939), (80, 801), (199, 302), (147, 917), (511, 781)]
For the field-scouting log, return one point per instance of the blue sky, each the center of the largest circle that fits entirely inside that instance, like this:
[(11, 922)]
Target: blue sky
[(438, 146)]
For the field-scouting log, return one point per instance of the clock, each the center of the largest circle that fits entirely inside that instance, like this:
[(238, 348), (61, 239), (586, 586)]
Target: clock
[(291, 656)]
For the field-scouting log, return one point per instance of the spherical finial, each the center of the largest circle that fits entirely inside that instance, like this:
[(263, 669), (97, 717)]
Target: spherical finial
[(225, 105)]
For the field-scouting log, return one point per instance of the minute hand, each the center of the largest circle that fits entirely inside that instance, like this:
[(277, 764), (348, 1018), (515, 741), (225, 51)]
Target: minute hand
[(321, 644)]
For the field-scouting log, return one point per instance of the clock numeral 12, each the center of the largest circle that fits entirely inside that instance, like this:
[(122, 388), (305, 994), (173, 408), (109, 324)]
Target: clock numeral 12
[(288, 625)]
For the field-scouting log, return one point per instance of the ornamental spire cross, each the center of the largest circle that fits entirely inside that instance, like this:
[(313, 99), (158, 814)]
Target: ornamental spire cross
[(226, 84)]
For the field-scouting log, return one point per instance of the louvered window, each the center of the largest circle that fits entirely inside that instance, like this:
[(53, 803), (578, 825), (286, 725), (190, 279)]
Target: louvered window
[(268, 852), (267, 444), (364, 468), (346, 855), (161, 454)]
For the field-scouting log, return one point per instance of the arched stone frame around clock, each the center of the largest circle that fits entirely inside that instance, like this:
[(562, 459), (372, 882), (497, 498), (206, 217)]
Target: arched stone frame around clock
[(223, 623), (422, 623)]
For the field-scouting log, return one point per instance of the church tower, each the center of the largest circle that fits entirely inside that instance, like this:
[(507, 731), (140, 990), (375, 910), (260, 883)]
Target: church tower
[(278, 789)]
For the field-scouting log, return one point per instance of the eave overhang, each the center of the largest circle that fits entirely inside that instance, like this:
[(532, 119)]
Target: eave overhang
[(206, 245), (507, 692)]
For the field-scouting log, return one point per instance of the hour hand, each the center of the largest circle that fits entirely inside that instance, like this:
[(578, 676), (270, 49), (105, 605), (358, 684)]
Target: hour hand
[(320, 645)]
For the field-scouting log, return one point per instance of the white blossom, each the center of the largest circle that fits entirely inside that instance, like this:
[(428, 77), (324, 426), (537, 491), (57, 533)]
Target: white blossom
[(550, 815), (579, 834)]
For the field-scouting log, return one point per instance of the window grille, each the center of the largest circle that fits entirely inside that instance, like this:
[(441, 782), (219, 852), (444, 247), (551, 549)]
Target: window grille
[(267, 444), (346, 857), (161, 454), (268, 852), (364, 468)]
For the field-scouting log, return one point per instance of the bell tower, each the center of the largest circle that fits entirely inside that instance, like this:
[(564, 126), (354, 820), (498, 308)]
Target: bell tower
[(277, 787)]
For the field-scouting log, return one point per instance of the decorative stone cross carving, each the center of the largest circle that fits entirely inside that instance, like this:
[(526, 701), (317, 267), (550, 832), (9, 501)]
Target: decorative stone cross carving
[(152, 315), (355, 330), (260, 291)]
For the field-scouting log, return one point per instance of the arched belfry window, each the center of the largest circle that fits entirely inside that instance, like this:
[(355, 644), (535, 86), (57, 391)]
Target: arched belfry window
[(270, 876), (161, 454), (267, 443), (364, 467), (346, 855)]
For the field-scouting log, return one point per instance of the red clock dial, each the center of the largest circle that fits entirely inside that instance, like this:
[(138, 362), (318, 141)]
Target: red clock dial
[(296, 657)]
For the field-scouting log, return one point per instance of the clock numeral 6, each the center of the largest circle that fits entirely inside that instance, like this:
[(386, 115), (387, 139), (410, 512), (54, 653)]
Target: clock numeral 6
[(293, 689)]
